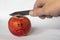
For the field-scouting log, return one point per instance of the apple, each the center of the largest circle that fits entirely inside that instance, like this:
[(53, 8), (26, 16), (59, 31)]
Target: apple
[(19, 25)]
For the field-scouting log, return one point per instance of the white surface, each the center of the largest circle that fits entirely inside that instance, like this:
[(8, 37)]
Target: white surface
[(47, 29)]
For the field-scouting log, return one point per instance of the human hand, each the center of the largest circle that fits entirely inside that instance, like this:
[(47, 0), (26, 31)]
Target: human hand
[(46, 8)]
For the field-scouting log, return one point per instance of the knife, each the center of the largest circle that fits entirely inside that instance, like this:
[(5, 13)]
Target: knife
[(26, 12)]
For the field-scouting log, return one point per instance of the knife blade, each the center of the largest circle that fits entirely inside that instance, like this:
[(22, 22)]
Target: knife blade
[(26, 12)]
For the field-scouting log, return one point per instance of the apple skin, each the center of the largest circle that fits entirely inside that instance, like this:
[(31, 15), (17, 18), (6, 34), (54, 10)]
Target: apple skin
[(19, 25)]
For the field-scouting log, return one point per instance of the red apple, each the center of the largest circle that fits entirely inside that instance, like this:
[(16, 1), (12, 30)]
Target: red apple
[(19, 25)]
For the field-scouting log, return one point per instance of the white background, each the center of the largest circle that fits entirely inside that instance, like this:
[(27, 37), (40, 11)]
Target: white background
[(47, 29)]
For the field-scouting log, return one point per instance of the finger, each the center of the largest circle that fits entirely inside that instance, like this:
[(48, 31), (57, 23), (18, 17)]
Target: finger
[(42, 17), (39, 4), (48, 16), (57, 15), (51, 9), (45, 16)]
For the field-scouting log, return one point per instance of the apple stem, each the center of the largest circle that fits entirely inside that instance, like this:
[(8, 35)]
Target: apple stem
[(19, 16)]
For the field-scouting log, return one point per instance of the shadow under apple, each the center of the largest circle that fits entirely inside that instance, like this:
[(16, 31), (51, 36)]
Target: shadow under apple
[(35, 31)]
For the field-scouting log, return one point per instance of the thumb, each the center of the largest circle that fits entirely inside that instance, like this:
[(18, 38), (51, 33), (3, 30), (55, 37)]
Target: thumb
[(37, 12)]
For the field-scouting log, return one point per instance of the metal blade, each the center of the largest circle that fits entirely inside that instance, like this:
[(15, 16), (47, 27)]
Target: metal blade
[(20, 13)]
